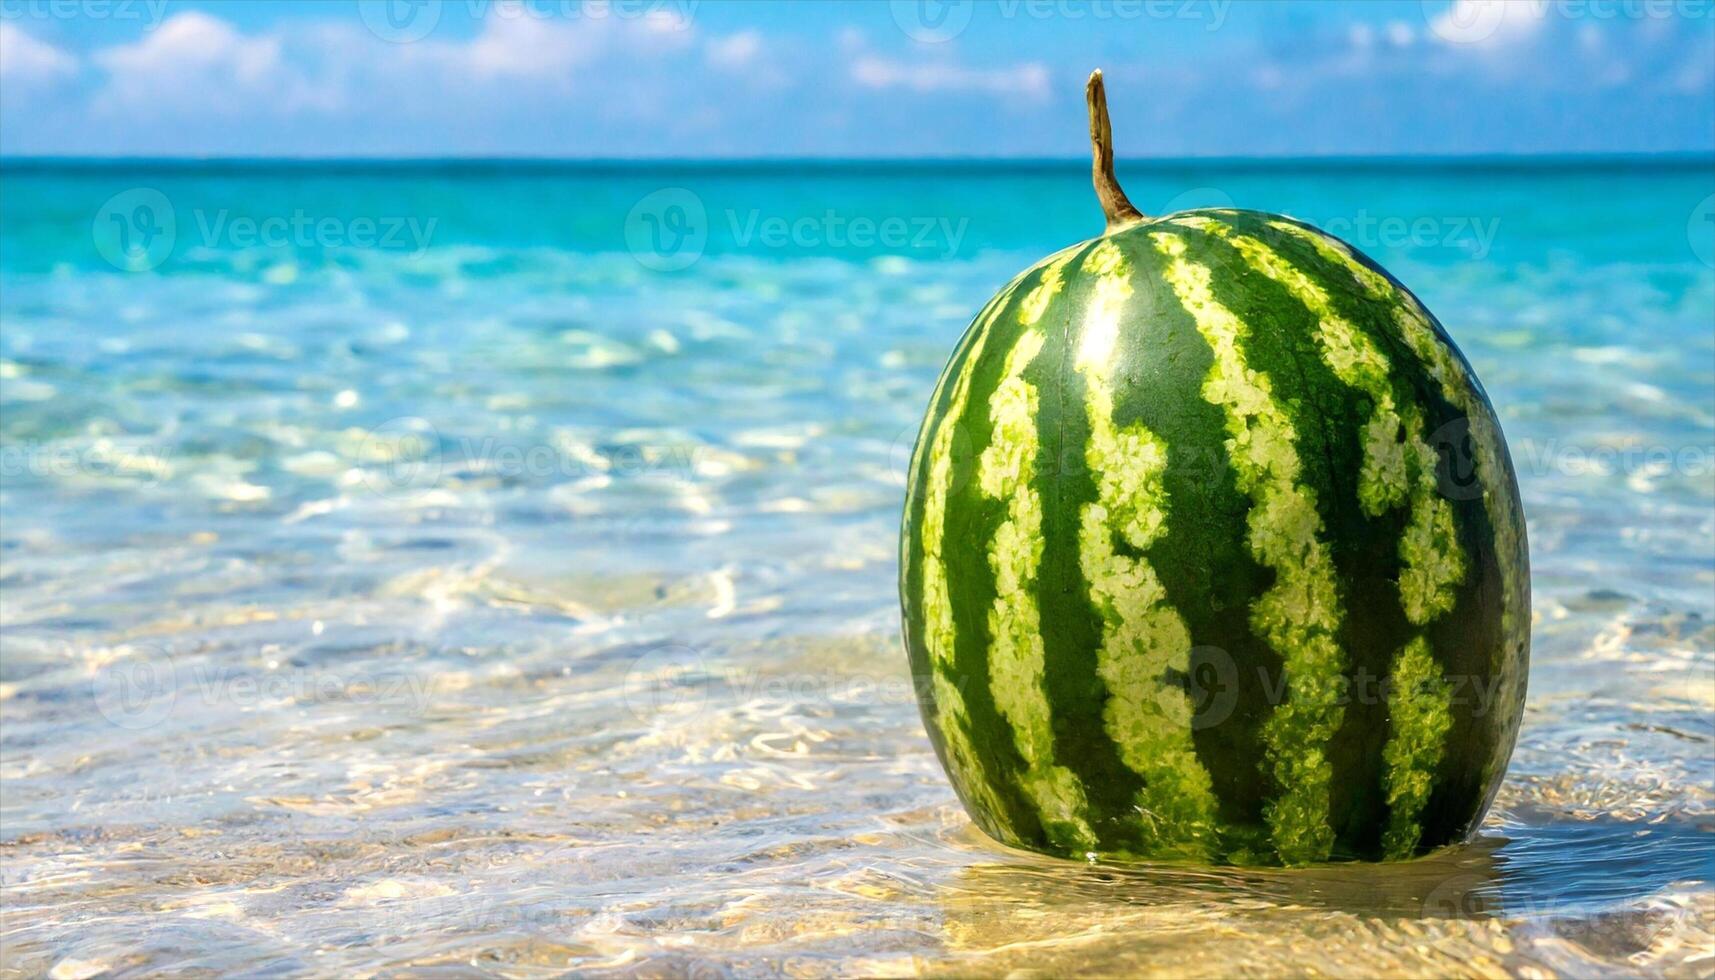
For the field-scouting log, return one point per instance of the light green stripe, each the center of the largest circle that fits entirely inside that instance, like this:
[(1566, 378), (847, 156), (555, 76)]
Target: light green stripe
[(924, 438), (989, 310), (1457, 386), (1460, 389), (1420, 709), (1354, 359), (1431, 561), (1016, 658), (1143, 638), (940, 633), (1399, 464), (1399, 467), (1300, 613), (922, 448)]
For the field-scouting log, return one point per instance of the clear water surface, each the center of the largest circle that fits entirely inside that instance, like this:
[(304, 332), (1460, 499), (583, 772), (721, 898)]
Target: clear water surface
[(524, 602)]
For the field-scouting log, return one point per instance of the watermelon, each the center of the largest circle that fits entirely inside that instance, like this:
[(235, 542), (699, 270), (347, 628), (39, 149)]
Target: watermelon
[(1212, 551)]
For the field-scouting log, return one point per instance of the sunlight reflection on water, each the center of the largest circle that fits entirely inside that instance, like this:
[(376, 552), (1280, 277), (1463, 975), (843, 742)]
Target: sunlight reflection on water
[(512, 607)]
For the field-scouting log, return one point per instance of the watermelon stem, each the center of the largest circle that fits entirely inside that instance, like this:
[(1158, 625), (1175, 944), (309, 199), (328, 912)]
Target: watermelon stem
[(1115, 205)]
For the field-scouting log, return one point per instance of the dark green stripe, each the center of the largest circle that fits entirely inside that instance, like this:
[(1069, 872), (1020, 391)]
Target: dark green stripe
[(916, 619), (1365, 548), (911, 523), (1462, 639), (1328, 417), (1203, 561), (971, 521), (1071, 628), (1509, 654)]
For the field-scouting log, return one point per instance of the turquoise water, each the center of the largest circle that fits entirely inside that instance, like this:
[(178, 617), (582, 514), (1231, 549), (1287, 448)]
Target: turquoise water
[(451, 566)]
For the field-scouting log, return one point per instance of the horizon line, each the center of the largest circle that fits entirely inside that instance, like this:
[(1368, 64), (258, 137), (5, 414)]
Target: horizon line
[(1531, 160)]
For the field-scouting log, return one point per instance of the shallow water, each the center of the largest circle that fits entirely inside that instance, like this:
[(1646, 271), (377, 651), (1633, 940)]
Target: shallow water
[(525, 602)]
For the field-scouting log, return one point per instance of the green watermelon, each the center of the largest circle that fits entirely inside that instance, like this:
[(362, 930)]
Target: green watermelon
[(1212, 550)]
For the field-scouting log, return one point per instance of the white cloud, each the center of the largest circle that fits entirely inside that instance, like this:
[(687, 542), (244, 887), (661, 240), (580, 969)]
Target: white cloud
[(751, 59), (1695, 76), (199, 63), (25, 60), (734, 50), (1488, 22), (1029, 79), (595, 80), (851, 40), (514, 45), (195, 42), (523, 47)]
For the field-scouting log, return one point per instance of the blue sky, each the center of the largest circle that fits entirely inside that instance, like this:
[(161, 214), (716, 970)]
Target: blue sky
[(702, 78)]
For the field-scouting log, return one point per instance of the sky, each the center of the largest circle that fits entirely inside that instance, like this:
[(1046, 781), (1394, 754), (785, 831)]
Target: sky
[(885, 78)]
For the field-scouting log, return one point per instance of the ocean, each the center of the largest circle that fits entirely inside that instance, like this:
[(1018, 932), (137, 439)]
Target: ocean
[(432, 566)]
